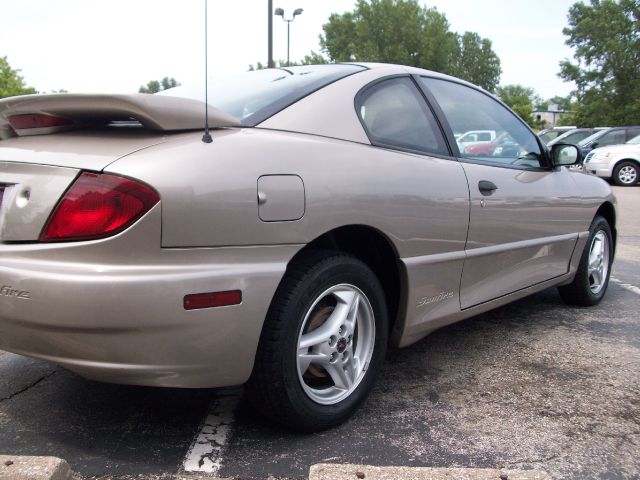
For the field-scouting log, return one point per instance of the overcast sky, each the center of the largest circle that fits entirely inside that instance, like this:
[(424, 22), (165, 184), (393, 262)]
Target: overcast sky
[(118, 45)]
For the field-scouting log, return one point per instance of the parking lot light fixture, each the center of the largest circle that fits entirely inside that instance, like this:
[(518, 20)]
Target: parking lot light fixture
[(280, 12)]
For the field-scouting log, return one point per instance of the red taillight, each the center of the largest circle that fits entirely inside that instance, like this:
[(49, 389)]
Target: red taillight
[(213, 299), (97, 206), (25, 122)]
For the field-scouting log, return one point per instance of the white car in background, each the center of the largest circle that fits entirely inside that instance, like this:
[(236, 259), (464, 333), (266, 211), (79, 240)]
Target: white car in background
[(620, 163), (473, 137)]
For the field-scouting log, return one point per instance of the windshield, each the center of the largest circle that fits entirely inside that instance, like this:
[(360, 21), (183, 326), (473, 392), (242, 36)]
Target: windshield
[(634, 140), (254, 96)]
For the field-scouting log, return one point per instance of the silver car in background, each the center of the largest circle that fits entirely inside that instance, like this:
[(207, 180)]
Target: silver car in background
[(619, 163), (331, 216)]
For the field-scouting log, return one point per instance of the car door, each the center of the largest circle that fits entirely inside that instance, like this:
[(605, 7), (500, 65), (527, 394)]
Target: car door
[(432, 197), (522, 227)]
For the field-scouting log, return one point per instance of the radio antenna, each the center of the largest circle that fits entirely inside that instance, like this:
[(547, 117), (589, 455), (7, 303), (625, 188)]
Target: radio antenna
[(206, 138)]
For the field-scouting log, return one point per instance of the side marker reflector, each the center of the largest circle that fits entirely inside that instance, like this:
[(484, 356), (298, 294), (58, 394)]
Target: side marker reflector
[(213, 299)]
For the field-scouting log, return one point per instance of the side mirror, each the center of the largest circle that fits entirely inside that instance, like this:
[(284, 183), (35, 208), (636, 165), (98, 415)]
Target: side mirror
[(564, 154)]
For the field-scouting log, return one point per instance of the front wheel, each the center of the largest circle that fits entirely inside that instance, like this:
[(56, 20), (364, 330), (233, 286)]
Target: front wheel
[(592, 277), (625, 174), (323, 342)]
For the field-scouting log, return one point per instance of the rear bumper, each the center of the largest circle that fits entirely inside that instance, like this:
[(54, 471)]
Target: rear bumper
[(112, 310)]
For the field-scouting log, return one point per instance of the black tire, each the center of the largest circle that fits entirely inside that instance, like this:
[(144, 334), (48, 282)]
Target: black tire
[(275, 388), (626, 174), (579, 292)]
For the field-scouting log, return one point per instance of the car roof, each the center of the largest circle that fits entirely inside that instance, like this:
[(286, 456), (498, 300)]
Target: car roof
[(413, 71)]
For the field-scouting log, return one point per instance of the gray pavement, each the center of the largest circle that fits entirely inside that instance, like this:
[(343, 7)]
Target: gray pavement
[(532, 385)]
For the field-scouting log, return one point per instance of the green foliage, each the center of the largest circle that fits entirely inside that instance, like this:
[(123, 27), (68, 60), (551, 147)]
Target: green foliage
[(525, 112), (565, 104), (155, 86), (566, 120), (476, 62), (11, 83), (606, 37), (405, 32), (312, 58), (257, 66), (521, 100), (518, 95)]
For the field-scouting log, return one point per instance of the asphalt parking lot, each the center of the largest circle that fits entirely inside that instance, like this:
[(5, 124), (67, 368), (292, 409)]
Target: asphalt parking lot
[(534, 384)]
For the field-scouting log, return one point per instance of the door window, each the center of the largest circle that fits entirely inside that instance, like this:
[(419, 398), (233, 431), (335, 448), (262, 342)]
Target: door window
[(468, 109), (632, 133), (395, 114), (615, 137)]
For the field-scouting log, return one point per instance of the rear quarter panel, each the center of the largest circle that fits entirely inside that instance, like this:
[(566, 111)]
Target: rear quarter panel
[(209, 191)]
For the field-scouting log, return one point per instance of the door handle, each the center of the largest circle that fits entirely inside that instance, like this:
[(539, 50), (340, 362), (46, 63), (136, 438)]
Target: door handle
[(486, 187)]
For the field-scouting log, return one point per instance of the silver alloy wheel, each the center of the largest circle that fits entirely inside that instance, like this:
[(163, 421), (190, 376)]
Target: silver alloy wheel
[(628, 175), (598, 262), (335, 344)]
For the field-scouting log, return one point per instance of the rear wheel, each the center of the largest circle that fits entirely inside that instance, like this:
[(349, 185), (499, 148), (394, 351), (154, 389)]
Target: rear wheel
[(323, 342), (625, 174), (592, 278)]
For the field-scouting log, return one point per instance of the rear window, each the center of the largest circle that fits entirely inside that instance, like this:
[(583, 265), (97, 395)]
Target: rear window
[(574, 138), (591, 138), (254, 96), (395, 115)]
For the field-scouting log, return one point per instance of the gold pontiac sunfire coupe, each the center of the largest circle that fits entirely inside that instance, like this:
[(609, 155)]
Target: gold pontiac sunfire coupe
[(332, 215)]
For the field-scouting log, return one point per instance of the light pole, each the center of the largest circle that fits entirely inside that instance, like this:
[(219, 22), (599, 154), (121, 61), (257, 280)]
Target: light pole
[(280, 12), (270, 29)]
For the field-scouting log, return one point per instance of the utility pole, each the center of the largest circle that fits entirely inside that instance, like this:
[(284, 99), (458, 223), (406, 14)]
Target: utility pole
[(270, 55)]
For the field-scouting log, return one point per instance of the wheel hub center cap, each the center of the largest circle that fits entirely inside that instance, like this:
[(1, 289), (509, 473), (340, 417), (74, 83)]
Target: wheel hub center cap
[(341, 345)]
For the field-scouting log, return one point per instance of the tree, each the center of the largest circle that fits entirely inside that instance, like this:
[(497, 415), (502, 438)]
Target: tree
[(476, 61), (312, 58), (521, 100), (517, 95), (565, 104), (405, 32), (155, 86), (11, 83), (606, 37)]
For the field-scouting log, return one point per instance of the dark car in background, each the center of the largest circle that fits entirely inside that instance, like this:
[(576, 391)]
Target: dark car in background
[(575, 135), (610, 136)]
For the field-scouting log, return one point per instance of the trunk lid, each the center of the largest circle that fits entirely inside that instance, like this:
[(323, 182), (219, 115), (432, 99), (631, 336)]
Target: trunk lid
[(54, 137), (35, 172), (86, 149)]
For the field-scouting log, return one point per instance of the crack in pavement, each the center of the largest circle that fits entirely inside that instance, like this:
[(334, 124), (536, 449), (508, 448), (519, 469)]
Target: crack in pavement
[(28, 387), (528, 461), (565, 450)]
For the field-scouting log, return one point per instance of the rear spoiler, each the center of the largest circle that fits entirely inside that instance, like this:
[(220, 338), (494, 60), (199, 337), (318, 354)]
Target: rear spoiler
[(155, 112)]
